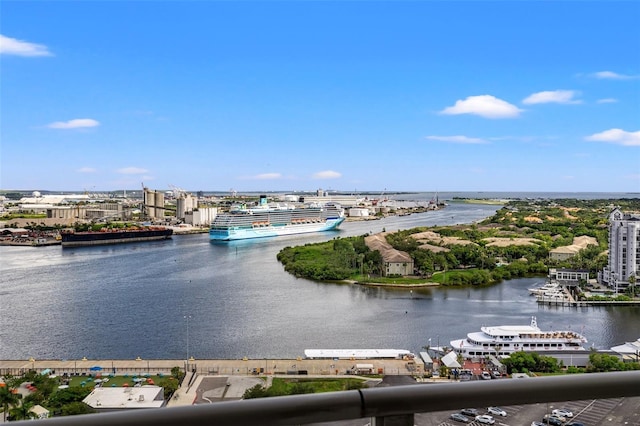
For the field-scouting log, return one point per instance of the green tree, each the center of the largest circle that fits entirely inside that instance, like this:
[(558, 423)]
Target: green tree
[(22, 411), (76, 408), (8, 399), (64, 397), (258, 391), (599, 362)]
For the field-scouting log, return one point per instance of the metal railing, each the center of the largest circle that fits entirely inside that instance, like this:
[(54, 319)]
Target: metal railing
[(390, 405)]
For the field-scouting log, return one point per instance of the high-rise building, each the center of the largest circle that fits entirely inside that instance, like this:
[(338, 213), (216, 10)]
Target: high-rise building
[(624, 250)]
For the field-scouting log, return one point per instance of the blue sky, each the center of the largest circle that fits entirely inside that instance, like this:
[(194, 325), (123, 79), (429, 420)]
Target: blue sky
[(339, 95)]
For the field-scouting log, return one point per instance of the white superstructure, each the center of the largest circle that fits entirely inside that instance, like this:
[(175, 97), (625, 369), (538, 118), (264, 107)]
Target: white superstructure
[(506, 339)]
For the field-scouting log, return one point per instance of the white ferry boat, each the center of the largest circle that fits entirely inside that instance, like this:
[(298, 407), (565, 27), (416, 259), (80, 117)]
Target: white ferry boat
[(506, 339), (266, 220)]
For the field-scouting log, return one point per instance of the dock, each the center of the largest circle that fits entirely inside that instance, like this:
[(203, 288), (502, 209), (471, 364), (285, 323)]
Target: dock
[(568, 299)]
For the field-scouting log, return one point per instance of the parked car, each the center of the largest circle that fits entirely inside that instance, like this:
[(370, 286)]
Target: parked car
[(562, 412), (459, 418), (485, 419), (574, 424), (497, 411), (562, 419), (551, 420), (469, 412), (496, 374), (534, 423), (485, 375)]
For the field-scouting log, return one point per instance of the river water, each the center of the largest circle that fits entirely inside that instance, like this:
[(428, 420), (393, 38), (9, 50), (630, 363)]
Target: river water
[(158, 300)]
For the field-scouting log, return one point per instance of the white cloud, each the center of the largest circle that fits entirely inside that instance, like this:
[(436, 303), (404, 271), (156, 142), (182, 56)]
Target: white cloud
[(486, 106), (617, 137), (12, 46), (610, 75), (552, 96), (267, 176), (607, 101), (457, 139), (86, 170), (327, 174), (74, 124), (132, 171)]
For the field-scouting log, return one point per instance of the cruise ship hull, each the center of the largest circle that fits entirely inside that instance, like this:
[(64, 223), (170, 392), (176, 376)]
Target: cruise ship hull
[(272, 230)]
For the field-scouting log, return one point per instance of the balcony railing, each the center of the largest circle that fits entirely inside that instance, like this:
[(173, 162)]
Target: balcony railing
[(390, 405)]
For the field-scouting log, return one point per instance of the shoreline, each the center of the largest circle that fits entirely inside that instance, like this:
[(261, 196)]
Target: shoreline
[(393, 285)]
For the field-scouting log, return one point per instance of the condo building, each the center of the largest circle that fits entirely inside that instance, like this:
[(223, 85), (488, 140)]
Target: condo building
[(624, 251)]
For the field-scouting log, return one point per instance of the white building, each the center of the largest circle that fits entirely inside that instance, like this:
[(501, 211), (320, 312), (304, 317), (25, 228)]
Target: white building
[(358, 212), (185, 203), (201, 217), (118, 398), (624, 250)]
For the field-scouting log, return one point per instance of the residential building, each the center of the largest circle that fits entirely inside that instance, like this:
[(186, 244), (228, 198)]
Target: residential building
[(396, 262), (624, 250), (567, 252)]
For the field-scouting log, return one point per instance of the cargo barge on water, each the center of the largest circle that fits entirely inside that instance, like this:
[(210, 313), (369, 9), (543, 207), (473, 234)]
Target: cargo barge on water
[(114, 236)]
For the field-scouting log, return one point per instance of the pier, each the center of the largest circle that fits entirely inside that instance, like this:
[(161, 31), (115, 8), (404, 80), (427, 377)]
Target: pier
[(568, 299), (222, 367)]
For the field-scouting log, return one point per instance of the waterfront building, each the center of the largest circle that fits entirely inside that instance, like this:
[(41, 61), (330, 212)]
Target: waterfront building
[(185, 203), (569, 277), (153, 204), (624, 251), (358, 212), (202, 216), (396, 262)]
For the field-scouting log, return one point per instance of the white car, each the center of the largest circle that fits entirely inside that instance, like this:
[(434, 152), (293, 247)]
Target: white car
[(485, 419), (562, 412), (497, 411)]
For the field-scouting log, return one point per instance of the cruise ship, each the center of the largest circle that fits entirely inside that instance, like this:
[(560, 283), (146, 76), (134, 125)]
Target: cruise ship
[(267, 220), (506, 339)]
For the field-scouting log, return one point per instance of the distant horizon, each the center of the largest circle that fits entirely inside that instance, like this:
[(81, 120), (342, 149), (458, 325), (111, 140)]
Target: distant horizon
[(382, 192)]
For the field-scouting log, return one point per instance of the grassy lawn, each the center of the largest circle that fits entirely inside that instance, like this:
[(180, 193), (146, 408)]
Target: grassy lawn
[(115, 381), (286, 386)]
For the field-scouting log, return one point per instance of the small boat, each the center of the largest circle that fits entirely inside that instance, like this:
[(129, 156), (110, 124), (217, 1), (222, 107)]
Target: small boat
[(547, 287)]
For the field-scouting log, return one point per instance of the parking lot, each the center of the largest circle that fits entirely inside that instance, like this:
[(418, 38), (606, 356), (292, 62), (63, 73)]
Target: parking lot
[(600, 412)]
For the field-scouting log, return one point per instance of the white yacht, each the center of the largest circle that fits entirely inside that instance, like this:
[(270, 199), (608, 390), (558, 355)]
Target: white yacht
[(547, 287), (506, 339)]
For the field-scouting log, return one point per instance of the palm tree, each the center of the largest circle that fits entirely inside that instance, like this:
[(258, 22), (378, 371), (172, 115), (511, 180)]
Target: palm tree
[(22, 411), (7, 399)]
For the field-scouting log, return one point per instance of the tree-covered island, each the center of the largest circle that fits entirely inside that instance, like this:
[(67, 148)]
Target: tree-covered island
[(515, 242)]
